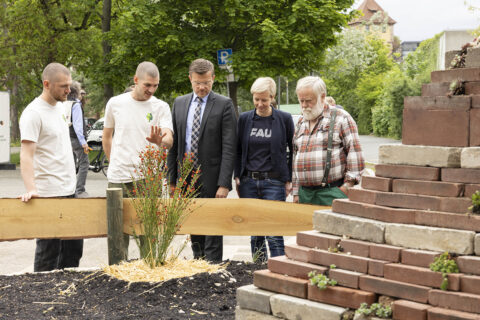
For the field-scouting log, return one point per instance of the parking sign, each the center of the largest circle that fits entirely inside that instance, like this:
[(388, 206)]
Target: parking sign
[(224, 57)]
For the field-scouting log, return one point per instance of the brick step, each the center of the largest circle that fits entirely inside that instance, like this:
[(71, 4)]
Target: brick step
[(466, 74), (297, 252), (377, 183), (470, 189), (469, 265), (402, 154), (407, 172), (292, 268), (461, 175), (459, 301), (267, 280), (393, 288), (402, 235), (475, 127), (446, 314), (428, 188), (340, 296), (409, 310), (455, 103), (443, 88)]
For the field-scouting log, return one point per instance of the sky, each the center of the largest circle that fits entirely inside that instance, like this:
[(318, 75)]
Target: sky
[(418, 20)]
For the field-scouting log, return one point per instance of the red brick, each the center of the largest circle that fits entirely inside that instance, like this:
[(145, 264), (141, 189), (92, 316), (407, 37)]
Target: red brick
[(377, 183), (447, 128), (340, 260), (435, 89), (419, 258), (438, 103), (270, 281), (376, 267), (355, 247), (385, 252), (457, 205), (292, 268), (343, 297), (315, 239), (448, 220), (455, 300), (410, 201), (473, 88), (345, 278), (408, 310), (428, 188), (394, 288), (461, 175), (476, 96), (446, 314), (469, 265), (407, 172), (475, 127), (362, 195), (370, 211), (466, 74), (297, 253), (470, 284), (470, 189), (420, 276)]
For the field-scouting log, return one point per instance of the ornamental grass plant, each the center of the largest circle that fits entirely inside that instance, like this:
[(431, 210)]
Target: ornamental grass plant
[(161, 209)]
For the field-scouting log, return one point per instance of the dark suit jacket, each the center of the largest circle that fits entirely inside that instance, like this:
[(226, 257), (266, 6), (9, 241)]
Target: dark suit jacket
[(282, 137), (216, 147)]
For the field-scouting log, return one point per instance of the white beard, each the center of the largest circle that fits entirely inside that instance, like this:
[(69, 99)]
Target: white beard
[(312, 113)]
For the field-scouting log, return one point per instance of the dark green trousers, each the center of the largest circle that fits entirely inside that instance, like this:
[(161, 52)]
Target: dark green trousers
[(320, 196)]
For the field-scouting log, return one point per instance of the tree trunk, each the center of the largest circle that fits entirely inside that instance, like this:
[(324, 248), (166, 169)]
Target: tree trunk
[(107, 48), (14, 127), (232, 88)]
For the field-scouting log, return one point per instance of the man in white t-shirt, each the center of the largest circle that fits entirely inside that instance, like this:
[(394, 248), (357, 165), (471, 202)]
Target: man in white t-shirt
[(46, 161), (138, 119)]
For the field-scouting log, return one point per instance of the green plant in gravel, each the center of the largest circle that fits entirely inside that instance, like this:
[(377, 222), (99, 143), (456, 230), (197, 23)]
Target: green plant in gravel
[(320, 280), (376, 309), (475, 208), (444, 264), (160, 217)]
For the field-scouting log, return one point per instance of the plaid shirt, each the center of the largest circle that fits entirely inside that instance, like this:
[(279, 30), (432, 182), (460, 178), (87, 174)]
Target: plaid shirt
[(311, 151)]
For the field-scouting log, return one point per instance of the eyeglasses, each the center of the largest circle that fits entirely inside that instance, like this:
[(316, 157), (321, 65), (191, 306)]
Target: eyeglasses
[(205, 83)]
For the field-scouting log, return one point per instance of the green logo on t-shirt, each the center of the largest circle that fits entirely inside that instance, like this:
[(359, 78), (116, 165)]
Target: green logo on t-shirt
[(64, 119), (149, 117)]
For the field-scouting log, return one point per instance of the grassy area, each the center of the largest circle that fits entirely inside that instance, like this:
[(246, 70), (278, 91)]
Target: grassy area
[(15, 158), (15, 143)]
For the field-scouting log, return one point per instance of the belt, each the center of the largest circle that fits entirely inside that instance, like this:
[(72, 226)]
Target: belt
[(262, 175), (337, 183)]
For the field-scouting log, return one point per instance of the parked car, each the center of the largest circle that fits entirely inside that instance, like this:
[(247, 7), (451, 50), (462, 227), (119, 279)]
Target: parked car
[(89, 123), (94, 139)]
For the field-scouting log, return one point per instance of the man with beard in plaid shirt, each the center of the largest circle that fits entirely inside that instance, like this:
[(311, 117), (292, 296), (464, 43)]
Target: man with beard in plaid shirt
[(328, 158)]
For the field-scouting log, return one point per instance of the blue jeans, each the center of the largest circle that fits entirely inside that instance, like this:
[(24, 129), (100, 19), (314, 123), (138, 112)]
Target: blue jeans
[(268, 189)]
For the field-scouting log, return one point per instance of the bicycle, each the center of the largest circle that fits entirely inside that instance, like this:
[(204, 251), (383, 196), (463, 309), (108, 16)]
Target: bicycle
[(100, 161)]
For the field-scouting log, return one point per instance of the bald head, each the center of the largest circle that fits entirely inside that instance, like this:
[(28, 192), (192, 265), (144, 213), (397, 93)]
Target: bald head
[(147, 68), (53, 70)]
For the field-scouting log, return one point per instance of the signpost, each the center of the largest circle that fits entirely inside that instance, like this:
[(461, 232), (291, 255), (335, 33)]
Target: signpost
[(5, 131), (224, 58)]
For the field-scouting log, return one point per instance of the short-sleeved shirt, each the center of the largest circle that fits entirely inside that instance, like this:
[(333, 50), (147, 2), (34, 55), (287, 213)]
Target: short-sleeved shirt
[(259, 144), (132, 121), (53, 165)]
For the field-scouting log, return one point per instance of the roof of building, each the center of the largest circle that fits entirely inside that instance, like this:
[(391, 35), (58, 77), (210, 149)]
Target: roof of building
[(370, 8)]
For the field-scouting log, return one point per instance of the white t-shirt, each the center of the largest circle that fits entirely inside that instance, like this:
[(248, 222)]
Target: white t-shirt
[(132, 121), (53, 164)]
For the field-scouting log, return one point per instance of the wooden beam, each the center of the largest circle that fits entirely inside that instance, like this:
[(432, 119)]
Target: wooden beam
[(86, 218)]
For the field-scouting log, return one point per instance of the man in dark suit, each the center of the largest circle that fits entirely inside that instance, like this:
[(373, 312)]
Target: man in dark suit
[(204, 124)]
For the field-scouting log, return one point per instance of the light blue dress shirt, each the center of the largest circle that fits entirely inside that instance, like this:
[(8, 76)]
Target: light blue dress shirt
[(77, 122), (191, 112)]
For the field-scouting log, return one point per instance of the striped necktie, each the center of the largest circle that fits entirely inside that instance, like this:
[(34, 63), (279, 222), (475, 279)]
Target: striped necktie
[(196, 131)]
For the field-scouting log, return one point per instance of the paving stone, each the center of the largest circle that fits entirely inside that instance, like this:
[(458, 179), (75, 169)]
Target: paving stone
[(339, 296), (253, 298), (409, 310), (470, 158), (286, 307), (410, 201), (449, 128), (243, 314), (439, 103), (429, 238), (369, 211), (419, 258), (340, 260), (377, 183), (385, 252), (466, 74), (469, 265), (345, 278), (420, 276), (353, 227), (296, 252), (401, 154), (456, 205), (448, 220), (460, 301), (376, 267), (428, 188), (394, 288), (362, 195), (470, 189), (461, 175), (446, 314), (355, 247), (264, 279), (407, 172), (470, 284), (475, 127), (292, 268), (315, 239)]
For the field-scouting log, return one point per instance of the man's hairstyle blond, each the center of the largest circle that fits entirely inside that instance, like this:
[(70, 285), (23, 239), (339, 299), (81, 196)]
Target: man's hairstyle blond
[(147, 68), (201, 66), (52, 70)]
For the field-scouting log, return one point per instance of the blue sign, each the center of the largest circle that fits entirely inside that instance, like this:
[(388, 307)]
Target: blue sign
[(224, 57)]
